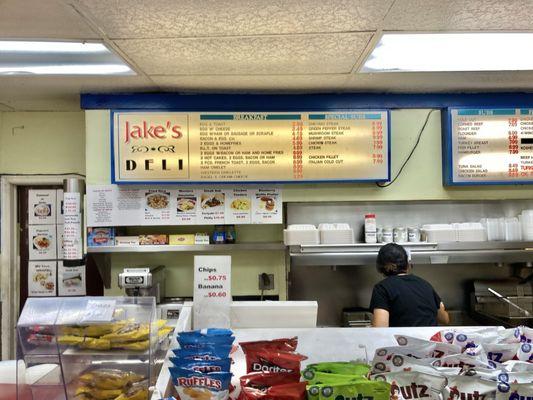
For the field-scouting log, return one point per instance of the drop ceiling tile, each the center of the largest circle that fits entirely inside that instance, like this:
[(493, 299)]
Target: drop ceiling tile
[(293, 54), (193, 18), (438, 15), (52, 19), (253, 83), (518, 81)]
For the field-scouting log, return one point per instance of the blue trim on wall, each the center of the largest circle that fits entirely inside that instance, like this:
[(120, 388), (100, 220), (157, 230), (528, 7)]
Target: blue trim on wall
[(301, 102)]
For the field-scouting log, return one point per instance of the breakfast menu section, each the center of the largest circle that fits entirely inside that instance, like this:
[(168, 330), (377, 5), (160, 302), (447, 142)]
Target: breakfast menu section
[(113, 205), (491, 145), (250, 147)]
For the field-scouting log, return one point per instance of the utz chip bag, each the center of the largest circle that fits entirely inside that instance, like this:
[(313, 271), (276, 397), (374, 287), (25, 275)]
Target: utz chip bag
[(501, 352), (374, 390), (469, 339), (464, 362), (469, 388), (518, 366), (222, 365), (191, 385), (507, 378), (413, 385), (400, 362), (342, 368), (515, 391), (204, 352), (526, 334), (525, 352), (286, 344), (511, 335), (273, 361), (440, 349)]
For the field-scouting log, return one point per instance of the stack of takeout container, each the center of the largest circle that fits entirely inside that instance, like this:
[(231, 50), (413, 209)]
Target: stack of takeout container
[(336, 234), (526, 220), (298, 234)]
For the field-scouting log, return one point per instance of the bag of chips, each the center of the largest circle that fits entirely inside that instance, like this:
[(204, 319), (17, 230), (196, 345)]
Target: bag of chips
[(207, 332), (374, 390), (439, 350), (189, 341), (515, 391), (500, 352), (267, 379), (285, 344), (511, 335), (289, 391), (413, 385), (222, 365), (342, 368), (322, 378), (400, 362), (518, 366), (204, 352), (464, 362), (273, 361), (469, 387), (525, 352), (191, 385), (526, 334)]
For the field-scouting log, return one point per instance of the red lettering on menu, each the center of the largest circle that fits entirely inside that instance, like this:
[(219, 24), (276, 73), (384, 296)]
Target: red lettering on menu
[(148, 131)]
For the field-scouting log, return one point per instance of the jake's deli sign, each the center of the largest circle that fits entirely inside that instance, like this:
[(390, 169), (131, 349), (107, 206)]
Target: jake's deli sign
[(150, 147)]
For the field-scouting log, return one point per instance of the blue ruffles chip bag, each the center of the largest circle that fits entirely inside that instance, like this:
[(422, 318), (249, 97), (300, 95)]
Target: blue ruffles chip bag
[(202, 364)]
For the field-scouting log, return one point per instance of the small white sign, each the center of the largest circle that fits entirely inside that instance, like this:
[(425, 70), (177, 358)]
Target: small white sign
[(70, 280), (41, 278), (42, 207), (267, 206), (212, 291), (42, 242), (72, 234), (99, 311), (239, 206), (59, 241), (212, 206)]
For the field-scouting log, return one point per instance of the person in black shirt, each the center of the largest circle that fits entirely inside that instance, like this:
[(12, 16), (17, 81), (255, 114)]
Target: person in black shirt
[(403, 299)]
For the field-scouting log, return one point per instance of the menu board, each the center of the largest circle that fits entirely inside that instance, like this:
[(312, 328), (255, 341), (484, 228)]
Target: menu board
[(113, 205), (202, 147), (489, 146)]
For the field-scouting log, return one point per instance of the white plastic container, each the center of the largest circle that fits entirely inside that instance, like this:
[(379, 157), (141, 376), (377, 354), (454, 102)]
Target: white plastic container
[(335, 234), (300, 234), (526, 221), (513, 230), (439, 233), (370, 228), (470, 232)]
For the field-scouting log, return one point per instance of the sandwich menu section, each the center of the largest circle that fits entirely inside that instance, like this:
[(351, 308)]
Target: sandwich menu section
[(491, 146), (174, 147)]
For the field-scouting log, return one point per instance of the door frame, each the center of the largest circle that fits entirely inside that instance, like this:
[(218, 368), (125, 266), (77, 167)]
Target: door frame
[(9, 252)]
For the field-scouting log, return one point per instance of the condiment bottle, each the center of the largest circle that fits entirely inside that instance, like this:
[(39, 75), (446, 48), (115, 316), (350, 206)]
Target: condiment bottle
[(370, 228)]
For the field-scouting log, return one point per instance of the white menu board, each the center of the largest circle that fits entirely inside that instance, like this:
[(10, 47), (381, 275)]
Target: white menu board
[(42, 242), (113, 205), (489, 146), (42, 206), (41, 278), (264, 147), (212, 291)]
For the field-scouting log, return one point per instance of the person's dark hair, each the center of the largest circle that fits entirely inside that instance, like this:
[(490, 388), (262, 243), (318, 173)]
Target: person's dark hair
[(392, 260)]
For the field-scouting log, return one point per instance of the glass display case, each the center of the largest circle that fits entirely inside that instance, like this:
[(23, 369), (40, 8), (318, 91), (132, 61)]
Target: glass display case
[(91, 347)]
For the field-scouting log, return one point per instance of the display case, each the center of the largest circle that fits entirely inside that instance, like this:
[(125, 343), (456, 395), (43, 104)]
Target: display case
[(92, 347)]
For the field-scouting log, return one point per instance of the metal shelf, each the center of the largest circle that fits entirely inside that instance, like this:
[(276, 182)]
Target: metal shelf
[(421, 253), (190, 248)]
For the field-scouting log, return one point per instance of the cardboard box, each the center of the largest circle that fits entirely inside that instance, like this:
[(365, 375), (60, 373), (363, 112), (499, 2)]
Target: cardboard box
[(153, 240), (186, 240), (97, 237)]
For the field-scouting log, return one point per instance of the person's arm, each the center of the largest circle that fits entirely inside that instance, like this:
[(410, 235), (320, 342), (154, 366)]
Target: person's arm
[(443, 317), (380, 318)]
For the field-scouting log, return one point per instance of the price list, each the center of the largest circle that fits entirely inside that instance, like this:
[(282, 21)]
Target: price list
[(252, 147), (491, 146)]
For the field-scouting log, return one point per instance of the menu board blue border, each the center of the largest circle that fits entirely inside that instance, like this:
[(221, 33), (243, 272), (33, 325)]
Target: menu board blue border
[(447, 150), (273, 182)]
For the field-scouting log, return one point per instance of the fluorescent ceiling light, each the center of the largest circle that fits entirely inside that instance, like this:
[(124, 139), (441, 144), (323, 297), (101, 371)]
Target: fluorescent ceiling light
[(59, 58), (399, 52)]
